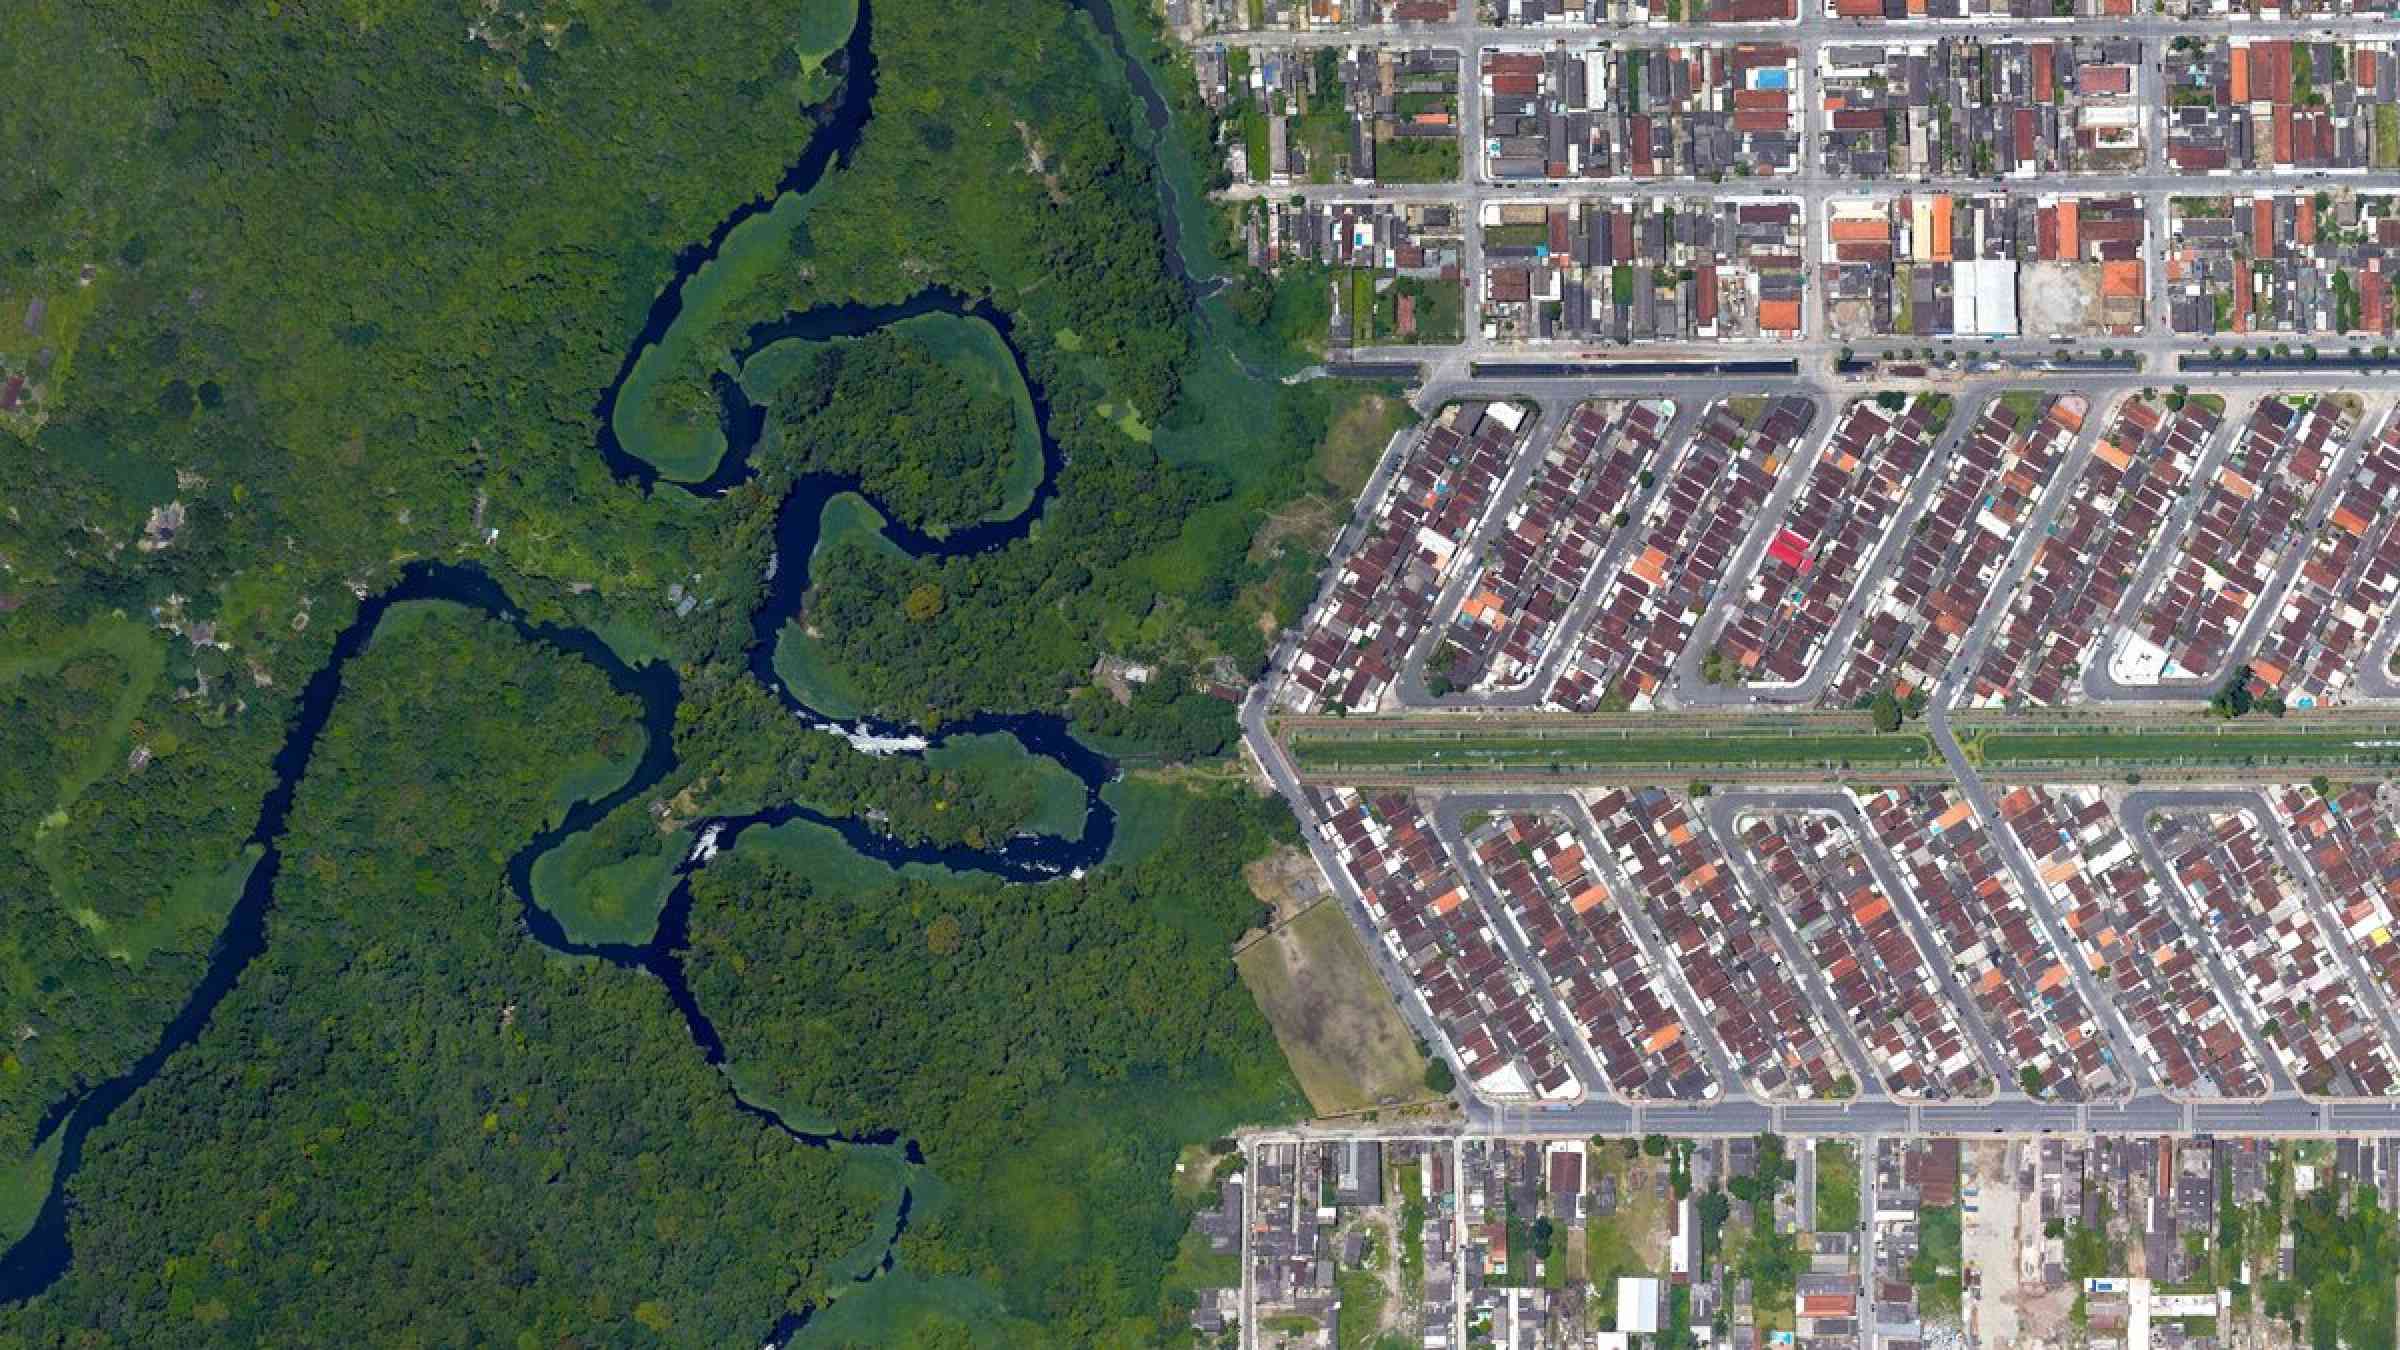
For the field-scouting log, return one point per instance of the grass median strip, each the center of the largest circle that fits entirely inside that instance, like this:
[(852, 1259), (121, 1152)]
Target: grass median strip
[(2225, 744), (1444, 750)]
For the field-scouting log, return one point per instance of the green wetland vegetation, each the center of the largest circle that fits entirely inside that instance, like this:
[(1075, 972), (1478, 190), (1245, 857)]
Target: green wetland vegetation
[(323, 294)]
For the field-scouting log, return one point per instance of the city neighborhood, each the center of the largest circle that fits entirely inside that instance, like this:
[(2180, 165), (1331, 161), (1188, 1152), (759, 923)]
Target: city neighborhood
[(1858, 731)]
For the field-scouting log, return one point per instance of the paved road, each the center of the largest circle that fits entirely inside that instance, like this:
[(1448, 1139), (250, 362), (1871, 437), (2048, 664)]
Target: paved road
[(2253, 803), (2134, 815), (1721, 816), (2148, 1113), (1811, 30), (2100, 685), (1693, 691), (1930, 947), (1410, 686), (1449, 827)]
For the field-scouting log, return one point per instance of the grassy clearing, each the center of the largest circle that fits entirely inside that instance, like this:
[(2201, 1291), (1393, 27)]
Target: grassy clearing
[(1408, 1182), (1437, 752), (1057, 794), (1362, 1299), (596, 773), (901, 1307), (820, 27), (1196, 1267), (68, 305), (808, 669), (1146, 809), (1938, 1267), (1837, 1188), (1356, 440), (820, 852), (1332, 1015), (144, 656), (1632, 1241), (1416, 159)]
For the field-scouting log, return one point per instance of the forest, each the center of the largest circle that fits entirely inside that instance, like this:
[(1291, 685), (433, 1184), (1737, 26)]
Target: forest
[(917, 436), (304, 295), (401, 1070)]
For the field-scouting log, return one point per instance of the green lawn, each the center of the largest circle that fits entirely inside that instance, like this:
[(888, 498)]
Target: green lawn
[(1837, 1188), (1936, 1271), (1408, 1183), (1196, 1267)]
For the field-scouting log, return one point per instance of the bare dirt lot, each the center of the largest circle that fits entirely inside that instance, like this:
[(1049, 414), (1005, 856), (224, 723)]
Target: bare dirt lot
[(1287, 881), (1332, 1015)]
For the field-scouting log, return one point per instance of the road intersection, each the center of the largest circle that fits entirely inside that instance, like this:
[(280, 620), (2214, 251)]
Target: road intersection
[(1546, 376)]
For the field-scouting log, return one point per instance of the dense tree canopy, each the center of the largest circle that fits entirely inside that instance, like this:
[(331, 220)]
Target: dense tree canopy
[(401, 1073), (926, 445), (326, 288)]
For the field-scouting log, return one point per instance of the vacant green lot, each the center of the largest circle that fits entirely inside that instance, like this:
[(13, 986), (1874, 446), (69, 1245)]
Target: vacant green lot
[(1837, 1188)]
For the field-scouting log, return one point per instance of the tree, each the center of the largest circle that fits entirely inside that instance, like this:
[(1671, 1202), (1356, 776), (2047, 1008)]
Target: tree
[(2030, 1079), (1885, 710), (1438, 1077), (2235, 698)]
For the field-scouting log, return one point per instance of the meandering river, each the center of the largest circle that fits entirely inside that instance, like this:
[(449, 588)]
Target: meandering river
[(43, 1255)]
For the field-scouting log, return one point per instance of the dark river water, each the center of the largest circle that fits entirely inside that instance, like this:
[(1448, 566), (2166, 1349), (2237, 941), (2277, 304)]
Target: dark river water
[(44, 1254)]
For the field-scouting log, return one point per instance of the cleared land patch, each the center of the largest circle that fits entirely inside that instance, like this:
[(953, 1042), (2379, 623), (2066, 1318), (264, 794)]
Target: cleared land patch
[(1332, 1015)]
